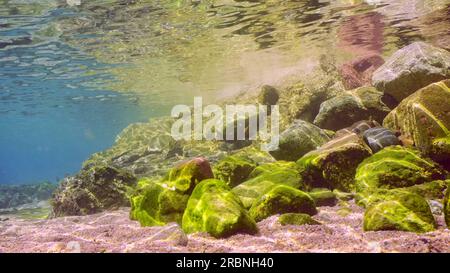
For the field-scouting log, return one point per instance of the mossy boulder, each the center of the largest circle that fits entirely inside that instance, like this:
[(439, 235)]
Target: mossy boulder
[(282, 199), (447, 207), (350, 107), (411, 68), (396, 167), (398, 210), (234, 169), (377, 138), (334, 164), (265, 177), (323, 197), (297, 219), (93, 190), (214, 209), (187, 174), (297, 140), (269, 95), (424, 119)]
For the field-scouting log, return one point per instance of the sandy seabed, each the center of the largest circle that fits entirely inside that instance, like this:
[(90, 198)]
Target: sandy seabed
[(113, 231)]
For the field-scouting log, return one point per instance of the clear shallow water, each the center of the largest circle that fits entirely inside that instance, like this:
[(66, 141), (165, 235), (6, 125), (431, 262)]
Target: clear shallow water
[(73, 76)]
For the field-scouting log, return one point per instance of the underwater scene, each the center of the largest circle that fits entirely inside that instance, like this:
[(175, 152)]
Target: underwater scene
[(254, 126)]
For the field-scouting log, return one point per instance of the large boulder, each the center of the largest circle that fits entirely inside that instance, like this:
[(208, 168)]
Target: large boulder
[(91, 191), (411, 68), (266, 176), (395, 167), (377, 138), (424, 118), (282, 199), (350, 107), (213, 208), (300, 138), (334, 164), (234, 169), (398, 210)]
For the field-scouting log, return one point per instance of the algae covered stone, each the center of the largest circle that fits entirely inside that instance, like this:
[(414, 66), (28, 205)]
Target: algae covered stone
[(269, 95), (398, 210), (213, 208), (350, 107), (265, 177), (323, 197), (234, 169), (187, 174), (396, 167), (282, 199), (411, 68), (334, 164), (297, 219), (297, 140)]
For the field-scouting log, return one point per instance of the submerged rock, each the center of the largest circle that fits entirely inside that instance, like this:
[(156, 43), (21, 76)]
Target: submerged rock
[(282, 199), (379, 138), (234, 169), (213, 208), (187, 174), (323, 197), (300, 138), (358, 72), (411, 68), (12, 196), (398, 210), (334, 164), (424, 118), (91, 191), (268, 96), (297, 219), (358, 128), (264, 177), (352, 106), (395, 167)]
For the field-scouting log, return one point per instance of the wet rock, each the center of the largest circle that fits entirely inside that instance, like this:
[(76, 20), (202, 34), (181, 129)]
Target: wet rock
[(297, 219), (334, 164), (282, 199), (234, 169), (411, 68), (266, 176), (424, 118), (300, 138), (358, 72), (358, 128), (379, 137), (398, 210), (268, 96), (91, 191), (189, 173), (350, 107), (396, 167), (213, 208), (323, 197)]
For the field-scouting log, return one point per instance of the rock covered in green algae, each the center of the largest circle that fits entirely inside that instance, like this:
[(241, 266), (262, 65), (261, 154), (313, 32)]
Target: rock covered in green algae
[(282, 199), (266, 176), (411, 68), (187, 174), (447, 207), (297, 219), (323, 197), (423, 117), (92, 190), (398, 210), (395, 167), (234, 169), (334, 164), (297, 140), (12, 196), (159, 202), (268, 96), (377, 138), (350, 107), (215, 209)]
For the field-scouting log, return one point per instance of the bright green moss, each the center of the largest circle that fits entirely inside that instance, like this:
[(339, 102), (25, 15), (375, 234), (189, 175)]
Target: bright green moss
[(395, 167), (282, 199), (323, 197), (186, 175), (213, 208), (233, 169), (297, 219), (265, 177)]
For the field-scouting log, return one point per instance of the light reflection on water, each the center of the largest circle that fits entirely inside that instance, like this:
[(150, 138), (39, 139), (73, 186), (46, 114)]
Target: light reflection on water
[(73, 76)]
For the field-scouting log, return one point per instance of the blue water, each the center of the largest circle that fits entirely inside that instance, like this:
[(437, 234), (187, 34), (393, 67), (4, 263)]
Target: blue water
[(53, 111)]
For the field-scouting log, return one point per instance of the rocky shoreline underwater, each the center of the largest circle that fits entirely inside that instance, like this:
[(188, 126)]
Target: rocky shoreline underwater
[(362, 166)]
